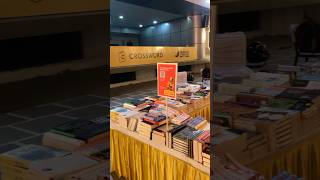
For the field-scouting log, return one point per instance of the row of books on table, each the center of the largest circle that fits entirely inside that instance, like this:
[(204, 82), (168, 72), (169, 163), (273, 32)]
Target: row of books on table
[(149, 117), (250, 103), (262, 113), (76, 150)]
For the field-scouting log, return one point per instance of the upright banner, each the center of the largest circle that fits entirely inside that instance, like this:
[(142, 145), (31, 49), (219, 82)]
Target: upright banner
[(122, 56), (167, 79)]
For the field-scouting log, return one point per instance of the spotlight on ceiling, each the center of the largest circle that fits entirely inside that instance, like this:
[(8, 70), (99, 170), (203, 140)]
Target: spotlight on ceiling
[(121, 17), (140, 25), (155, 22)]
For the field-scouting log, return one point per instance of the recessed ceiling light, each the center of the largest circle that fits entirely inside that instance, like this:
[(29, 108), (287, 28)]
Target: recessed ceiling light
[(140, 25), (167, 24), (155, 22), (121, 17)]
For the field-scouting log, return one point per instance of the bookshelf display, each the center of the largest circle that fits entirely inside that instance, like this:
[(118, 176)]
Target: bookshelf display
[(177, 152), (269, 123)]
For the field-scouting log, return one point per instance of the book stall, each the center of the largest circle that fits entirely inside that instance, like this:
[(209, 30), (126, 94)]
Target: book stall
[(162, 138), (268, 122), (73, 150)]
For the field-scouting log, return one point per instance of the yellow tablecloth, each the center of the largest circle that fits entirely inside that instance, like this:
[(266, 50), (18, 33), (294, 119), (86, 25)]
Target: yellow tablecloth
[(302, 159), (203, 112), (138, 161)]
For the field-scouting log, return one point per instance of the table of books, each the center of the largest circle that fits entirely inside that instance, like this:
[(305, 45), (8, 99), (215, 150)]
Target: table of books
[(136, 157), (150, 140), (271, 123)]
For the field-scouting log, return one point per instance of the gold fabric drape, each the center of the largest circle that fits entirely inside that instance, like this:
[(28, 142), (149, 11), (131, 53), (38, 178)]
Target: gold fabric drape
[(302, 159), (135, 160), (203, 112)]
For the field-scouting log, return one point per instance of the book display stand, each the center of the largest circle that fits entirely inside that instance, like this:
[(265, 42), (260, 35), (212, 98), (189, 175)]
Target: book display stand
[(274, 125)]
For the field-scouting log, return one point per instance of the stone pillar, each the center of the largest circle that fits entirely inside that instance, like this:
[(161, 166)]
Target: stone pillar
[(200, 37)]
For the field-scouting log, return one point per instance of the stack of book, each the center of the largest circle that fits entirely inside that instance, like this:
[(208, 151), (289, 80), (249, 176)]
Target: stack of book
[(123, 116), (252, 100), (262, 79), (182, 141), (159, 134), (301, 95), (61, 167), (171, 103), (199, 144), (233, 89), (170, 133), (201, 93), (145, 128), (205, 155), (155, 119), (77, 133), (285, 103), (181, 119), (136, 104), (269, 91), (98, 153), (224, 134), (248, 121), (198, 123), (153, 98), (159, 109), (133, 123), (194, 87), (15, 164)]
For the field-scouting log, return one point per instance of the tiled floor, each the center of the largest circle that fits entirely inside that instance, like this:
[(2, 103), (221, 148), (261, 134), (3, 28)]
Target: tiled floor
[(26, 126)]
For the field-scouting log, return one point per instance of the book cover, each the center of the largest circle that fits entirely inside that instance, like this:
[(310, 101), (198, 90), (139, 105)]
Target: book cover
[(282, 103), (252, 100), (59, 167), (83, 130), (269, 91), (23, 156)]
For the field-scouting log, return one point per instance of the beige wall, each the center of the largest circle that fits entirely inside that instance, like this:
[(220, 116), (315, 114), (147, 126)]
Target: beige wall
[(254, 5), (276, 15), (277, 21)]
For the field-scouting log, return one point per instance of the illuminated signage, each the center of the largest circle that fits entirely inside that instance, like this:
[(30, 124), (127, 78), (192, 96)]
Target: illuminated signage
[(121, 56)]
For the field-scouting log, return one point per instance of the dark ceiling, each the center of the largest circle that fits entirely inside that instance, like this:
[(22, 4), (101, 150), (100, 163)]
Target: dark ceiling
[(134, 15)]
